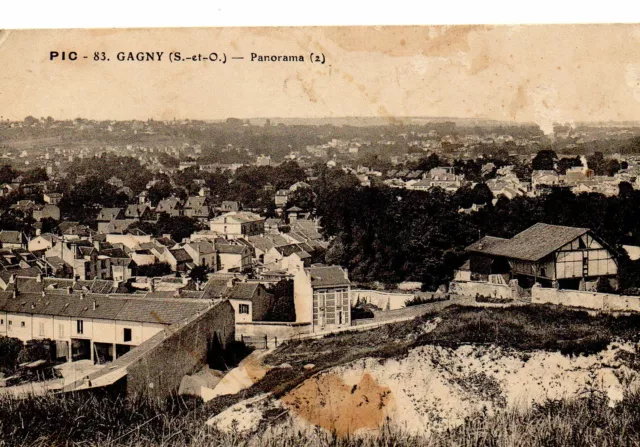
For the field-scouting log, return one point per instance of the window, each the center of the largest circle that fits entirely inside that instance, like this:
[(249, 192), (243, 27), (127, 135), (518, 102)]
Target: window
[(61, 330), (10, 323), (41, 329), (127, 334), (244, 308), (22, 324), (80, 327), (1, 322)]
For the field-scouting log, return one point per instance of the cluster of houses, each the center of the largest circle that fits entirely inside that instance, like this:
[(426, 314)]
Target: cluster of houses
[(580, 179), (89, 292)]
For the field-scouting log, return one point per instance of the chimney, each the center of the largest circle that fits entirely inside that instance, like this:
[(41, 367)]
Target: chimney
[(39, 277), (12, 279), (69, 290), (15, 294), (94, 304), (152, 286), (96, 245), (43, 294)]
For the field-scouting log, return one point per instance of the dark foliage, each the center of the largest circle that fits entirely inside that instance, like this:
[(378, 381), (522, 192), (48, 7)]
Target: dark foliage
[(10, 349), (154, 270), (396, 235), (283, 308)]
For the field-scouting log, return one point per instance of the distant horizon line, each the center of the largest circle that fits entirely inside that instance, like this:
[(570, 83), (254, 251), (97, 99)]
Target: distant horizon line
[(387, 120)]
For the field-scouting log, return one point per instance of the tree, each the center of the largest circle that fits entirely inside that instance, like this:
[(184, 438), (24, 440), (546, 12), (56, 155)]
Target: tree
[(430, 162), (36, 175), (37, 349), (9, 351), (544, 160), (179, 227), (303, 198), (7, 174), (482, 194), (30, 120), (199, 274), (283, 308), (565, 163), (625, 189), (154, 270), (159, 191), (604, 285)]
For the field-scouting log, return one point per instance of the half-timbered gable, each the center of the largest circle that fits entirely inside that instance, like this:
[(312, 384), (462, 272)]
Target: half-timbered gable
[(544, 252)]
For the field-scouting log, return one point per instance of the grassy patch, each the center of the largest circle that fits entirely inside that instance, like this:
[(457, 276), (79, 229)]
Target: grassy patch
[(79, 419), (522, 328), (528, 328)]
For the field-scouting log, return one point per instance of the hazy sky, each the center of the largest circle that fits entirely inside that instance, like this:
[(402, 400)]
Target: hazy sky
[(543, 74)]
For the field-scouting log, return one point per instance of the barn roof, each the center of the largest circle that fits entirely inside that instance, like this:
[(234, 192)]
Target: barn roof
[(532, 244)]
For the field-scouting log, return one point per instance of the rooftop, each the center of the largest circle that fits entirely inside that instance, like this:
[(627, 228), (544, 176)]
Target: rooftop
[(532, 244)]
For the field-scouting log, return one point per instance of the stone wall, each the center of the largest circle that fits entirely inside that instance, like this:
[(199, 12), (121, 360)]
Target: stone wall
[(471, 288), (271, 329), (383, 300), (589, 300), (155, 368), (159, 371)]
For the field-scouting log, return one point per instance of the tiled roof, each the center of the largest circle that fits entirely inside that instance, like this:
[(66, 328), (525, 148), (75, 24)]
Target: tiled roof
[(10, 237), (328, 276), (288, 250), (243, 291), (108, 214), (239, 216), (121, 308), (181, 255), (532, 244), (202, 247), (261, 243), (135, 210), (230, 249), (216, 288), (114, 252)]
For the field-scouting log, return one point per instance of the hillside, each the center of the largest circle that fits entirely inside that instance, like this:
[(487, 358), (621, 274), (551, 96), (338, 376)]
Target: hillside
[(469, 376), (434, 373)]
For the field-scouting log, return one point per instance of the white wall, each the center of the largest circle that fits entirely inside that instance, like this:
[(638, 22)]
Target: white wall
[(589, 300), (302, 295), (471, 288), (381, 299), (242, 318), (98, 330)]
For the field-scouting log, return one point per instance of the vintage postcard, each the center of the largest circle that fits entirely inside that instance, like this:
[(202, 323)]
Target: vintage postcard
[(320, 236)]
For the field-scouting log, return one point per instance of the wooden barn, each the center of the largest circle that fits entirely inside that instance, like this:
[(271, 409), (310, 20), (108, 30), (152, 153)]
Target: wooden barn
[(557, 256)]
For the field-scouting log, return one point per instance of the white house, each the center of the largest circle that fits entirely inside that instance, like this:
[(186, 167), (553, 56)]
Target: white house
[(322, 296), (87, 325), (237, 224)]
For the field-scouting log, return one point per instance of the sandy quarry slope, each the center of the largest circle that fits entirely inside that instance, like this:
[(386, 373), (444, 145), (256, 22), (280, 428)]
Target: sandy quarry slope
[(432, 388)]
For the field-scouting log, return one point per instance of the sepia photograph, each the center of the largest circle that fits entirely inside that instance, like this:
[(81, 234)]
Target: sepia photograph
[(349, 236)]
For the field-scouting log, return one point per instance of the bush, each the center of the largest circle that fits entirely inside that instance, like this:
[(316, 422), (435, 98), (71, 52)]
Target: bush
[(359, 313), (9, 351), (604, 286), (283, 308), (42, 349), (154, 270), (492, 299), (417, 300)]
